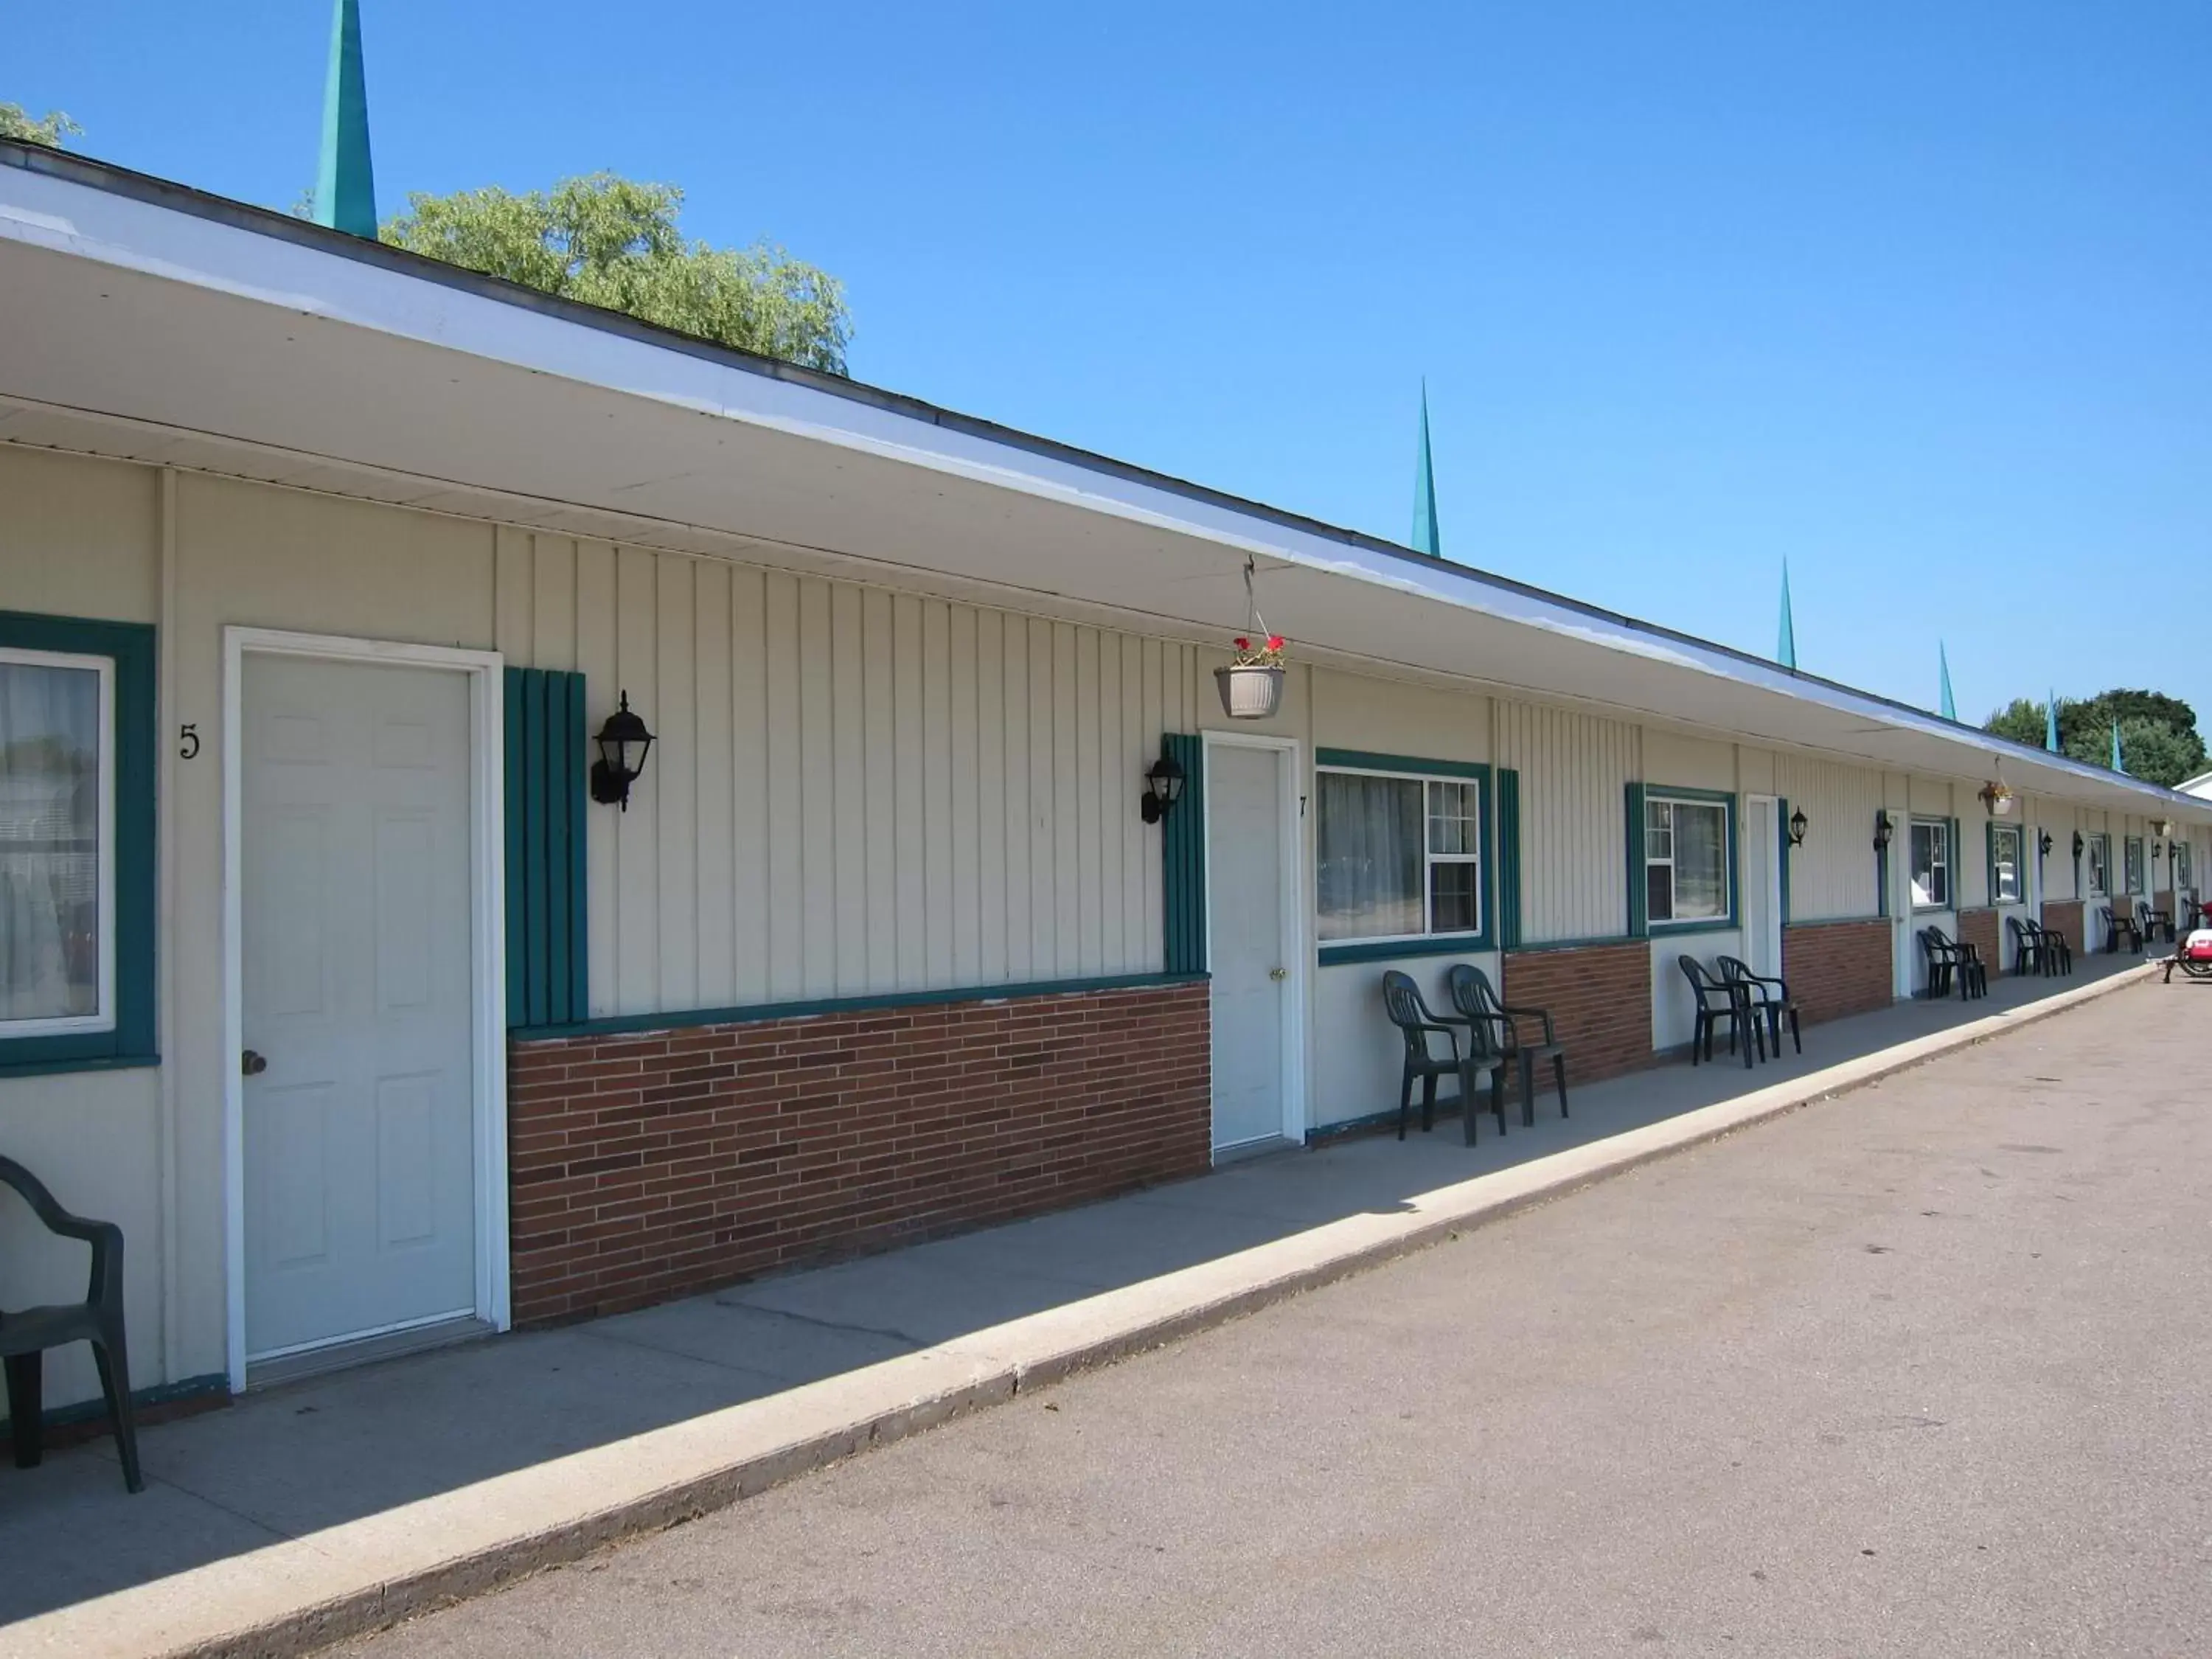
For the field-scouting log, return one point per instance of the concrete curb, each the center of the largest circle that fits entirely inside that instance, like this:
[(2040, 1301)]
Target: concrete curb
[(304, 1593)]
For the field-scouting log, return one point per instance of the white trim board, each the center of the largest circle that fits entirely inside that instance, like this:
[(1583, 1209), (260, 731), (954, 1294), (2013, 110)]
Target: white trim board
[(487, 940)]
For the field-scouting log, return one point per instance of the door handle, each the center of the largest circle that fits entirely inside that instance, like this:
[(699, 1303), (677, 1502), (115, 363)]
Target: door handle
[(252, 1065), (1279, 973)]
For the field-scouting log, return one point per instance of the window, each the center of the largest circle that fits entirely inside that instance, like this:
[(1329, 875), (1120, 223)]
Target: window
[(1400, 855), (56, 843), (2184, 874), (77, 831), (2100, 865), (1931, 863), (2005, 886), (2133, 852), (1685, 860)]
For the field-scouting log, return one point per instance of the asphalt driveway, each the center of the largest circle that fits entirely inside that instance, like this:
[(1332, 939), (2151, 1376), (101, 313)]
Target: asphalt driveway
[(1925, 1369)]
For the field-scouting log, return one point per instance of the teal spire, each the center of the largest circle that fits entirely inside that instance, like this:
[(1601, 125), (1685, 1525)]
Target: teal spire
[(1425, 539), (2118, 763), (2050, 724), (1943, 662), (345, 189), (1786, 646)]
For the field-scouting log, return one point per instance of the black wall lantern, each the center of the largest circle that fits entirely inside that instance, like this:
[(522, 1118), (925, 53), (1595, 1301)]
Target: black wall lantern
[(1164, 782), (2043, 843), (1798, 825), (624, 743), (1882, 831), (2078, 845)]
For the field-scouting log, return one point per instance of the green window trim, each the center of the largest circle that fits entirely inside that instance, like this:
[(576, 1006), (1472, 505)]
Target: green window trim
[(1509, 858), (2133, 870), (1422, 944), (1996, 832), (1641, 797), (1951, 902), (131, 1040)]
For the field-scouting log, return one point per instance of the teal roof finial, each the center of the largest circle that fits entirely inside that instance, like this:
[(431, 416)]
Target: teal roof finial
[(2050, 724), (2119, 764), (345, 187), (1943, 663), (1786, 646), (1425, 539)]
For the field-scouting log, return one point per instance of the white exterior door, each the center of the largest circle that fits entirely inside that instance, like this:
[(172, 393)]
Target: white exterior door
[(1762, 886), (358, 1116), (1250, 954)]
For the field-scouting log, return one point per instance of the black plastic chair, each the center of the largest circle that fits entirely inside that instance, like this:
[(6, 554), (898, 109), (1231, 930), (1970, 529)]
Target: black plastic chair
[(1472, 998), (1402, 998), (2151, 923), (26, 1334), (2030, 954), (1717, 1001), (2118, 922), (1954, 961), (2058, 949), (1770, 997)]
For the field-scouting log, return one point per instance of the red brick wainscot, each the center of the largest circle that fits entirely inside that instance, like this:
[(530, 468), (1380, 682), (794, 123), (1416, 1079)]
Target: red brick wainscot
[(1838, 968), (1599, 997), (652, 1164), (1979, 928), (2064, 916)]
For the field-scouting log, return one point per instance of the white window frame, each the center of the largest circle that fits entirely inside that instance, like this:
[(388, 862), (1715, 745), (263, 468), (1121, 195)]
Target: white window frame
[(2133, 870), (1942, 861), (1430, 859), (2098, 855), (2018, 834), (1671, 799), (103, 1019)]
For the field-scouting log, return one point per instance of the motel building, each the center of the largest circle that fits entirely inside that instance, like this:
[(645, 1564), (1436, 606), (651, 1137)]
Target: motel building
[(339, 966)]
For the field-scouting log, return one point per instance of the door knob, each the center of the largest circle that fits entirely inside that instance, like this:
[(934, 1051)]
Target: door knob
[(252, 1065), (1279, 973)]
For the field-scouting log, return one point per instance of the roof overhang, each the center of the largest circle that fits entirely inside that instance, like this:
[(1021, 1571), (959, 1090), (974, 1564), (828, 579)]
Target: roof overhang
[(152, 322)]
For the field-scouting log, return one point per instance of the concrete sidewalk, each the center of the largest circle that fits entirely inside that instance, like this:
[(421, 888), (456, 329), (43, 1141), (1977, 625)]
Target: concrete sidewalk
[(307, 1512)]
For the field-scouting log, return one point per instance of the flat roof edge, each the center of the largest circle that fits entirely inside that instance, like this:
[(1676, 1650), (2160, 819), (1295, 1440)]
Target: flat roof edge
[(151, 190)]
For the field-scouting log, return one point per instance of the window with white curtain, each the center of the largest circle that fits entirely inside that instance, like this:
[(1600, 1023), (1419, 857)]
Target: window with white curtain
[(2100, 865), (1685, 860), (1399, 855), (56, 843), (2133, 848), (2005, 884), (1931, 863)]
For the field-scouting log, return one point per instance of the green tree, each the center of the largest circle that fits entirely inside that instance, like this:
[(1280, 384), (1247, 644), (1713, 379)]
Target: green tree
[(50, 129), (611, 241), (2159, 740)]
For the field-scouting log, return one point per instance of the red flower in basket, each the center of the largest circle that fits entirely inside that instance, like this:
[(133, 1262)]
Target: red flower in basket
[(1269, 655)]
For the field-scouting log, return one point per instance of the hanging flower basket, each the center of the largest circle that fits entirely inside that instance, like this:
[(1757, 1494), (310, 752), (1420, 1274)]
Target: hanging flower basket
[(1999, 799), (1251, 687)]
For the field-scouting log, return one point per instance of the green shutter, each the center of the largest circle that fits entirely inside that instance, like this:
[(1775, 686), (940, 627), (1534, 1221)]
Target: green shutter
[(1182, 852), (1957, 899), (1882, 866), (546, 956), (1509, 858), (1989, 850), (1639, 921), (1782, 842)]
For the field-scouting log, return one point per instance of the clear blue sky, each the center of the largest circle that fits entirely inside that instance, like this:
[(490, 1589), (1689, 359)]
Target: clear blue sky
[(1918, 295)]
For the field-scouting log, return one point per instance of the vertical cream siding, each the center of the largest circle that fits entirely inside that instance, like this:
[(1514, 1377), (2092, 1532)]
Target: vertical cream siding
[(1575, 772), (1833, 875), (853, 791)]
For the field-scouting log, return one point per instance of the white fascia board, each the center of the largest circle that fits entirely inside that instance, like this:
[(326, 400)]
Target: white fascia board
[(119, 229)]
